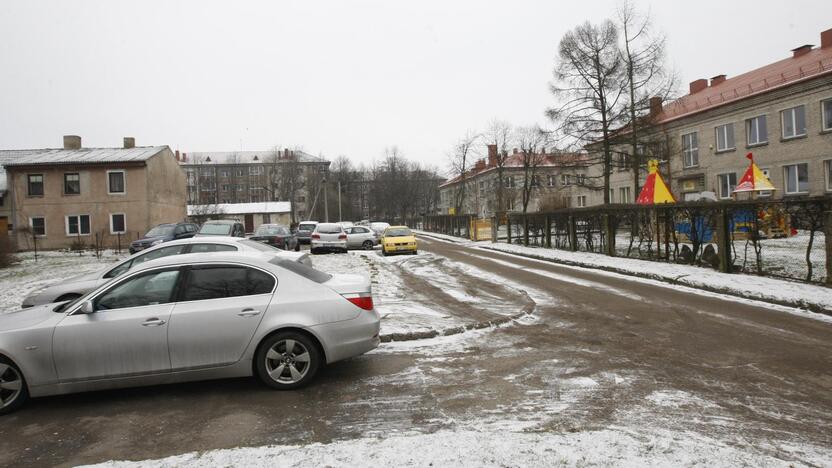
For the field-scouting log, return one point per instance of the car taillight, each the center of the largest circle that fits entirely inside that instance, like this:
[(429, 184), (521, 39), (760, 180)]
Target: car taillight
[(342, 237), (316, 236), (364, 300)]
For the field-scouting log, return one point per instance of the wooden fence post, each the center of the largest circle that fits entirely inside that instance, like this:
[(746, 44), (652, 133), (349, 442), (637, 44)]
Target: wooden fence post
[(572, 232), (525, 229), (494, 229), (609, 233), (827, 231), (723, 241), (548, 232), (508, 228)]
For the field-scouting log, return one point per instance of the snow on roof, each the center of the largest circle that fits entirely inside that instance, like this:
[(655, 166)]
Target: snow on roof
[(10, 158), (515, 160), (241, 208), (244, 157), (813, 64)]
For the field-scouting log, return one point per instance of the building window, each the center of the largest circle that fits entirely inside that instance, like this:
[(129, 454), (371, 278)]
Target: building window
[(726, 183), (255, 170), (118, 223), (78, 225), (535, 182), (756, 131), (550, 180), (72, 184), (580, 179), (581, 201), (564, 179), (690, 149), (115, 182), (794, 122), (225, 187), (828, 165), (225, 173), (612, 195), (508, 181), (624, 195), (267, 218), (826, 109), (725, 137), (35, 185), (38, 225), (797, 178), (239, 172)]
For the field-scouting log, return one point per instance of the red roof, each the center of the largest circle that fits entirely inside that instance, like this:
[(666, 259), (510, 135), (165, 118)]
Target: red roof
[(813, 64), (516, 160)]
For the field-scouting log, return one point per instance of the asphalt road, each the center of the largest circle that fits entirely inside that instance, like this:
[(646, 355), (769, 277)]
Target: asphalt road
[(599, 351)]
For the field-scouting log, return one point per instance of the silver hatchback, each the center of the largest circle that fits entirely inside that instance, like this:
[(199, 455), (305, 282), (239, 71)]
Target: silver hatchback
[(189, 317)]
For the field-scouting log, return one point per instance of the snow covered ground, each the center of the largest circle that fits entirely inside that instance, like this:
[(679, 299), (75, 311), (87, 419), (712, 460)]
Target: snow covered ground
[(609, 447), (784, 292)]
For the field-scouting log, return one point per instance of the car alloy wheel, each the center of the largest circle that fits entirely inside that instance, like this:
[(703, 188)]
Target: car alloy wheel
[(368, 245), (288, 360), (13, 391)]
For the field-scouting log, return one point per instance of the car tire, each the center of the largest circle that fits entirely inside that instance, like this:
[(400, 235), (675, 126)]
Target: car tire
[(313, 251), (415, 252), (367, 245), (275, 361), (297, 246), (12, 398)]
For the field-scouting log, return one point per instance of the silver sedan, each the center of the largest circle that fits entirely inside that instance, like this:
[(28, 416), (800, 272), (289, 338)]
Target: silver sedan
[(189, 317), (75, 287)]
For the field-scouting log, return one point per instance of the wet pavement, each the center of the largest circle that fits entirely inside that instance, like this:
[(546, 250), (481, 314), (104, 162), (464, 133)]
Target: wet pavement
[(599, 351)]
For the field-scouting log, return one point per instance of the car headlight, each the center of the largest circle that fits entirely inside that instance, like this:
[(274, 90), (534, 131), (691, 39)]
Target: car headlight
[(156, 242)]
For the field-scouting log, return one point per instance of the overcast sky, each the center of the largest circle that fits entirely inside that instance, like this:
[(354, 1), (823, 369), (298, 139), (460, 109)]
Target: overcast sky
[(334, 77)]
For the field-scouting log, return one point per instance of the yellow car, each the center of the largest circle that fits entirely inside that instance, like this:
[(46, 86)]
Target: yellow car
[(398, 239)]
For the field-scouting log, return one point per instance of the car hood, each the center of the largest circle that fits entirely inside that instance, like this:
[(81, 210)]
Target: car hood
[(24, 318), (147, 240), (84, 277)]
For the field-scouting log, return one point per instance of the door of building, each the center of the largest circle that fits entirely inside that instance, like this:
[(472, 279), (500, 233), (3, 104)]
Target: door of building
[(249, 220), (4, 226)]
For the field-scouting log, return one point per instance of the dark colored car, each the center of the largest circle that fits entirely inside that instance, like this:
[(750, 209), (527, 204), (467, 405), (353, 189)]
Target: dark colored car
[(222, 227), (276, 235), (304, 231), (163, 233)]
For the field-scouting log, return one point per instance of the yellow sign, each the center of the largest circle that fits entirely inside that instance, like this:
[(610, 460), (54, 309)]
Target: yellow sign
[(451, 211)]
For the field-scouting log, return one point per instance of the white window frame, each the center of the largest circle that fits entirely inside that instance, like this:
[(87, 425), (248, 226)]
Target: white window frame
[(721, 138), (123, 181), (826, 125), (797, 183), (32, 227), (719, 185), (79, 233), (794, 122), (694, 149), (581, 201), (580, 179), (564, 180), (551, 180), (112, 231), (756, 122), (827, 166), (612, 195), (624, 194)]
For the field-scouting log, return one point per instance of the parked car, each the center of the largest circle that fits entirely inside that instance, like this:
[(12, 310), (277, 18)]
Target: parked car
[(398, 239), (276, 235), (189, 317), (328, 237), (222, 227), (360, 237), (163, 233), (77, 286), (379, 227), (304, 231)]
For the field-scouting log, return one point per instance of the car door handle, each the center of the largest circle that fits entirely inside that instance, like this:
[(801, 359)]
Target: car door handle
[(154, 322), (249, 313)]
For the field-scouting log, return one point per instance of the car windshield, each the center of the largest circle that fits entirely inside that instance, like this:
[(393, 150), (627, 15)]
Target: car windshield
[(264, 230), (329, 228), (215, 228), (306, 227), (398, 232), (161, 230)]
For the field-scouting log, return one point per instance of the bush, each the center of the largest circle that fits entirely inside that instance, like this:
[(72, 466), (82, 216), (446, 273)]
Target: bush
[(77, 245)]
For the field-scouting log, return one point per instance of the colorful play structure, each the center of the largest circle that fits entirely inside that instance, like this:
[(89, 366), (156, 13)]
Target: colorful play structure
[(772, 222)]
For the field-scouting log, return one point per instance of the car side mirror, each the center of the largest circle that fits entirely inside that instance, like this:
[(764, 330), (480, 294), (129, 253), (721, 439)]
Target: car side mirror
[(86, 308)]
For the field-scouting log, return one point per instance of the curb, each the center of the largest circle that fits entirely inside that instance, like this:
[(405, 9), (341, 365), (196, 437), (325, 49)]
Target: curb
[(528, 309)]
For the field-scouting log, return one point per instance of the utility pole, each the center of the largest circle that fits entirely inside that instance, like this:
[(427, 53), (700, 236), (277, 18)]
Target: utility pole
[(326, 201), (339, 202)]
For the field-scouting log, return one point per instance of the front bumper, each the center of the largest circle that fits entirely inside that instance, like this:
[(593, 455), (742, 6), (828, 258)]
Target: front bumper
[(393, 249)]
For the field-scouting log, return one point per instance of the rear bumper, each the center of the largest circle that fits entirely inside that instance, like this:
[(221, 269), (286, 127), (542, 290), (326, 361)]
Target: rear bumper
[(350, 338), (329, 245)]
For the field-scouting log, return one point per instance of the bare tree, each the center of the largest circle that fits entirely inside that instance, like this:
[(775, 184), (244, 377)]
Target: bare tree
[(461, 158), (532, 144), (499, 134), (201, 213), (589, 87), (286, 178), (645, 76)]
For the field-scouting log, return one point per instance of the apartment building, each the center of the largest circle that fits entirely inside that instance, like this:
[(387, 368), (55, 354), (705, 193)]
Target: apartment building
[(254, 177), (781, 112), (559, 182), (76, 195)]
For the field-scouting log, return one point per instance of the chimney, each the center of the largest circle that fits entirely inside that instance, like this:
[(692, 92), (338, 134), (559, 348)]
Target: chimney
[(129, 142), (655, 106), (72, 142), (802, 50), (492, 155), (826, 39), (184, 157), (176, 155), (514, 151), (717, 80), (698, 85), (256, 158)]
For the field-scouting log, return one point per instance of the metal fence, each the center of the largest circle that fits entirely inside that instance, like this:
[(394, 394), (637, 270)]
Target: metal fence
[(779, 238)]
